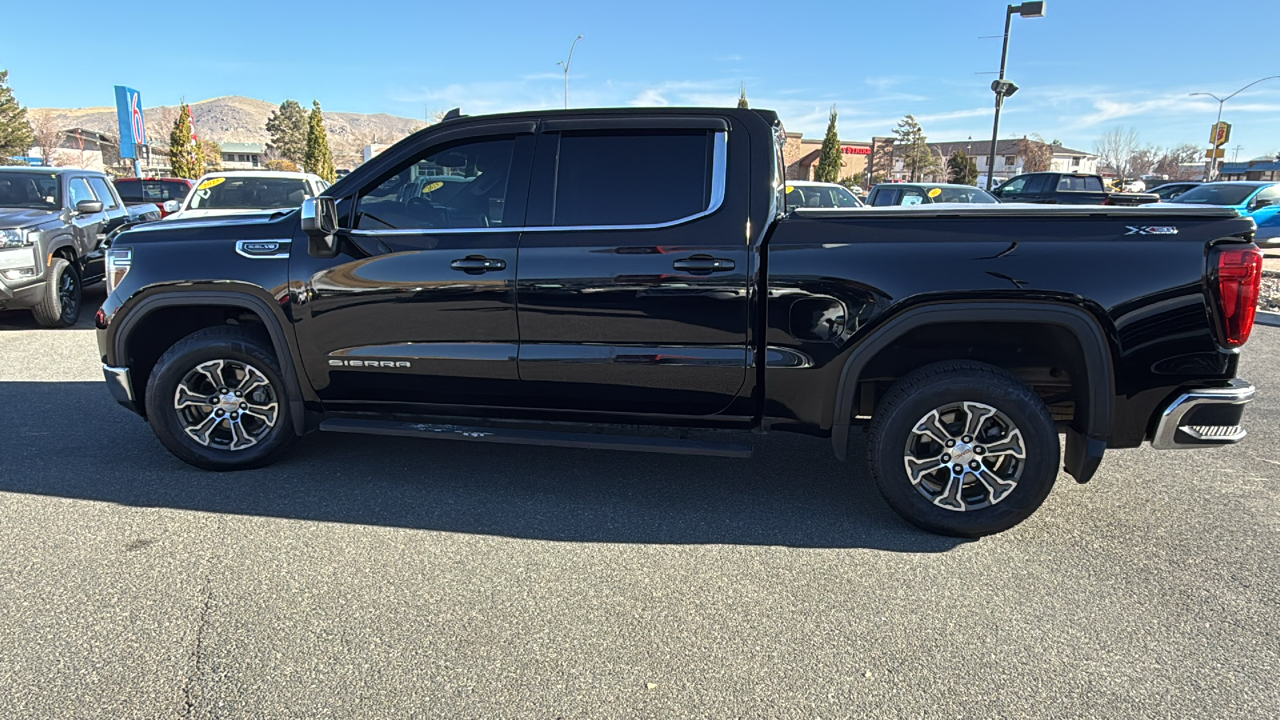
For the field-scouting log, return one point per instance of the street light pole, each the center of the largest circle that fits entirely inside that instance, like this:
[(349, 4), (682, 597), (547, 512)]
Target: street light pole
[(565, 65), (1208, 167), (1001, 87)]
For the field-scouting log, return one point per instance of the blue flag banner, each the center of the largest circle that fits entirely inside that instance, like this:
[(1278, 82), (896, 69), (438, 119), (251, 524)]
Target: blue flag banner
[(133, 132)]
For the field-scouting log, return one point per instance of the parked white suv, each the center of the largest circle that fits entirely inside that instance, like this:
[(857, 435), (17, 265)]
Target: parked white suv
[(244, 192)]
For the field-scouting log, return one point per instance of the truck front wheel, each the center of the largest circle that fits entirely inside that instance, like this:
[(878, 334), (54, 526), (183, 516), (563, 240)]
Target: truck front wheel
[(963, 448), (59, 306), (216, 400)]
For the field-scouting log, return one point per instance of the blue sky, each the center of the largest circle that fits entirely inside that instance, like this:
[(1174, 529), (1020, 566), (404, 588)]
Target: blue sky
[(1087, 67)]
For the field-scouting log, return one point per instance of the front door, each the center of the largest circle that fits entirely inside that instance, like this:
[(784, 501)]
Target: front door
[(634, 269), (419, 306)]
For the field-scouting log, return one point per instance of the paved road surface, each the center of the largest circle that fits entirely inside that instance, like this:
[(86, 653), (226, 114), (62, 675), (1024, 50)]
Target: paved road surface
[(381, 577)]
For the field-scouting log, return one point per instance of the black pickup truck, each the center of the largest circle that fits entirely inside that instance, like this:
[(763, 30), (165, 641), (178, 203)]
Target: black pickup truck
[(618, 278), (1065, 188)]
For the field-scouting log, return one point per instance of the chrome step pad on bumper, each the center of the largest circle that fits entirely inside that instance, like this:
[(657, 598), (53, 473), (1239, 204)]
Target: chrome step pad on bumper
[(1204, 417)]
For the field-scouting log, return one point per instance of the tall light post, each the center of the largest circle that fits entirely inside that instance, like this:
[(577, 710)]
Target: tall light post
[(565, 65), (1208, 167), (1001, 87)]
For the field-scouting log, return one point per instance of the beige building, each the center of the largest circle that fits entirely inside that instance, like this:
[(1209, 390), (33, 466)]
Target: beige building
[(800, 155)]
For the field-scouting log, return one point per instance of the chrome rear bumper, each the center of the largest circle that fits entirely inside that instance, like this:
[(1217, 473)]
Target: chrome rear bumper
[(1204, 417)]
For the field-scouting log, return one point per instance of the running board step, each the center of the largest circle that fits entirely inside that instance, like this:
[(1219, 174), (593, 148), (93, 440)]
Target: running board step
[(594, 441)]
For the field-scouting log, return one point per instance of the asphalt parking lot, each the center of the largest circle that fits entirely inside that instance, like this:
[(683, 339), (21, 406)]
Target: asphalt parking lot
[(384, 577)]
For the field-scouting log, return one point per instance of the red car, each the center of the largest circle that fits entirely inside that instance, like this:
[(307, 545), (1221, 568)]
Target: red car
[(160, 191)]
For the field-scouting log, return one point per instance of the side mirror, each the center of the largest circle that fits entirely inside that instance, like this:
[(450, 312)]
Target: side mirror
[(1257, 204), (88, 207), (319, 220), (171, 206)]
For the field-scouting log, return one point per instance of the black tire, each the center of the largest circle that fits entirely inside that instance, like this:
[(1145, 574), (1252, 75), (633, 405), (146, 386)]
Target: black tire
[(238, 347), (59, 305), (949, 385)]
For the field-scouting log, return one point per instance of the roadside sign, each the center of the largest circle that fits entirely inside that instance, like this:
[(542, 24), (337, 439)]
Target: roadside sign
[(1220, 134), (133, 132), (1218, 153)]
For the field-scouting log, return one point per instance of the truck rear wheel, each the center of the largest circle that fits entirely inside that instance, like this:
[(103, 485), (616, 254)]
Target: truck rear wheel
[(216, 400), (963, 448), (59, 305)]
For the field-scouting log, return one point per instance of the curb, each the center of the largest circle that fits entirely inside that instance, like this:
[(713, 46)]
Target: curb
[(1265, 317)]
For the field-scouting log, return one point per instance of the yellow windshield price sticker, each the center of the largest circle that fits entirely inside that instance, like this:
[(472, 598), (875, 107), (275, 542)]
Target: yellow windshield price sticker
[(211, 182), (935, 192), (789, 188), (432, 187)]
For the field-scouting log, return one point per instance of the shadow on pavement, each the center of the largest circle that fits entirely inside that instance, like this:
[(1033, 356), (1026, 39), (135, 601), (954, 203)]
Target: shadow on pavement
[(69, 439), (89, 304)]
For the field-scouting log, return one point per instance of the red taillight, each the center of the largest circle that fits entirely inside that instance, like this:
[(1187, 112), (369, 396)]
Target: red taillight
[(1239, 278)]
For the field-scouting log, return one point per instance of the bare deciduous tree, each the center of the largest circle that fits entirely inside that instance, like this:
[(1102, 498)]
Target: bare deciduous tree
[(1170, 162), (48, 135), (1036, 154), (1116, 148)]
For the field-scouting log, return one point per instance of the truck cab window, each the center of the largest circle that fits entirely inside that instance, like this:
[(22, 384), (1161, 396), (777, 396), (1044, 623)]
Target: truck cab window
[(77, 190), (460, 186), (632, 177)]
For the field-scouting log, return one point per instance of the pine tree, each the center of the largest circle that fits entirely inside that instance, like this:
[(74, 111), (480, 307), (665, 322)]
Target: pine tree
[(961, 168), (912, 147), (288, 129), (742, 98), (184, 157), (829, 160), (16, 137), (318, 159)]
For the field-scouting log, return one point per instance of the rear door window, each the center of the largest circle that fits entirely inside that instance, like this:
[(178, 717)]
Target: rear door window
[(632, 177), (1037, 184)]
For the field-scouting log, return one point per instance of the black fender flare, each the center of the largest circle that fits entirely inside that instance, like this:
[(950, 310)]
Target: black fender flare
[(271, 320), (1085, 444), (56, 243)]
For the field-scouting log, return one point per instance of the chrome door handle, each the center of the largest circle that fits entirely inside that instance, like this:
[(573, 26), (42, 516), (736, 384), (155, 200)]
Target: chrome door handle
[(478, 264), (703, 264)]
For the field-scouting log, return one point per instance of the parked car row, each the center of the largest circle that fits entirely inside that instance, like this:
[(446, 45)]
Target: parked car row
[(56, 224)]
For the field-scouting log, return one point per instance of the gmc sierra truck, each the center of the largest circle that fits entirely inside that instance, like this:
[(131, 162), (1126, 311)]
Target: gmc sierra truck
[(616, 278)]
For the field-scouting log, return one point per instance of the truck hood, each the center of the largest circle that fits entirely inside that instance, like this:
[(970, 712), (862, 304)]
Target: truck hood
[(191, 214), (22, 217)]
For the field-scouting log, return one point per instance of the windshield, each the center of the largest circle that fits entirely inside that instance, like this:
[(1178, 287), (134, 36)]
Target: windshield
[(248, 193), (36, 190), (961, 195), (1216, 194), (821, 196)]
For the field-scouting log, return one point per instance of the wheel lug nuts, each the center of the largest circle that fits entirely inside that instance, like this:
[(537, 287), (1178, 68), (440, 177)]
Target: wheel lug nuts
[(222, 390), (975, 465), (951, 443), (967, 438), (946, 458), (234, 415), (219, 412), (958, 467), (979, 450), (244, 406)]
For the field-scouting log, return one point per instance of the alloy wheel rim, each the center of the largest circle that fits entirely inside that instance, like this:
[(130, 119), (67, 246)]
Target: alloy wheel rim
[(965, 456), (67, 294), (226, 405)]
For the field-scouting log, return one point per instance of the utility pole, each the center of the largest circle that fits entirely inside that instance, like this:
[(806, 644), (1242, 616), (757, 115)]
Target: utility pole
[(1215, 144), (565, 65)]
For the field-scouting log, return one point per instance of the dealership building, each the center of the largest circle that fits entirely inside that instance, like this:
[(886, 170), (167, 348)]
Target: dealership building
[(800, 155)]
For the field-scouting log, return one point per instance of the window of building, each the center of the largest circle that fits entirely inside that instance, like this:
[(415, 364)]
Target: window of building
[(1075, 161), (103, 192), (633, 177), (460, 186), (1010, 160)]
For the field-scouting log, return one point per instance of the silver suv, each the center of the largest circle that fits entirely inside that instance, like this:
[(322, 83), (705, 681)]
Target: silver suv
[(53, 224)]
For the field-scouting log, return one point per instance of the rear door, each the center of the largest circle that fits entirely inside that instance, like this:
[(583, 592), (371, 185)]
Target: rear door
[(1039, 189), (634, 269), (115, 215)]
